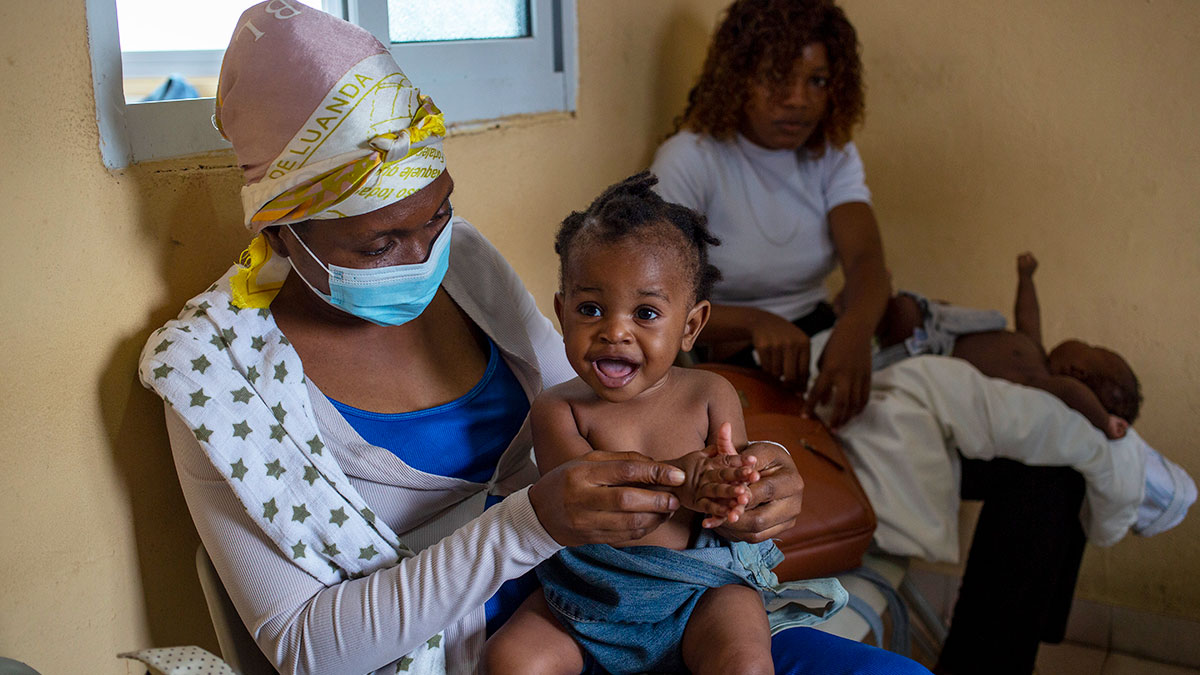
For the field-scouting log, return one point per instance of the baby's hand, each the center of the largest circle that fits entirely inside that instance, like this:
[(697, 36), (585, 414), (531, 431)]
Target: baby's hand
[(1026, 264), (719, 480), (724, 488), (1116, 427), (710, 479)]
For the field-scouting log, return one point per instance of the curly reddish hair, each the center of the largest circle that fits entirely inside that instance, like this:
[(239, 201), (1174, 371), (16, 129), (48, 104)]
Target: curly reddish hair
[(760, 41)]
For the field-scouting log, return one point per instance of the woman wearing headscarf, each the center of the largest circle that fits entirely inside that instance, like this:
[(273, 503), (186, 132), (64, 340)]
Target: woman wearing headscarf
[(347, 405)]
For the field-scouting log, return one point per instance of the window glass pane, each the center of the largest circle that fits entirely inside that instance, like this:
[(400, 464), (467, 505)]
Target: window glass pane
[(410, 21), (176, 25), (171, 49)]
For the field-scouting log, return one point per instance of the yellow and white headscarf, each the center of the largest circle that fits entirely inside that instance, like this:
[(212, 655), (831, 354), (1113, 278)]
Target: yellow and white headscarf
[(325, 125), (372, 141)]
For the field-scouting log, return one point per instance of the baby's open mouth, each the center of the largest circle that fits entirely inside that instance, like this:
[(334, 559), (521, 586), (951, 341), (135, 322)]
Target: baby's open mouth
[(614, 373)]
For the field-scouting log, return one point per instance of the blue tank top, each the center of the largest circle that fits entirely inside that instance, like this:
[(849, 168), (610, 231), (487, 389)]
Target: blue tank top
[(460, 439)]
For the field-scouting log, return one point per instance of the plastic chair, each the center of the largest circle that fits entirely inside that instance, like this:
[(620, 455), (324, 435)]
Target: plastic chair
[(238, 648)]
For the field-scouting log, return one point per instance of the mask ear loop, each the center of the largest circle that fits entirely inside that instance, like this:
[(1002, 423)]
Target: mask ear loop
[(307, 249), (324, 296)]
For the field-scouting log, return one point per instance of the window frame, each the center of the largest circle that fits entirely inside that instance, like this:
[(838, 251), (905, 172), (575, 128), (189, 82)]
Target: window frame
[(520, 76)]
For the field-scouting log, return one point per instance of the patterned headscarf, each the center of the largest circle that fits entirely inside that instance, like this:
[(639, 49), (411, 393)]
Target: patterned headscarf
[(324, 125), (323, 121)]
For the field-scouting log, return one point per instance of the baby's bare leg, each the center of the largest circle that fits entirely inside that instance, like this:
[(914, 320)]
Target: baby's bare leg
[(533, 642), (728, 633)]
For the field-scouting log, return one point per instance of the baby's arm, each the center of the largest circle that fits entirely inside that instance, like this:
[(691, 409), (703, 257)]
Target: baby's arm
[(556, 437), (1084, 401), (724, 405), (1027, 313)]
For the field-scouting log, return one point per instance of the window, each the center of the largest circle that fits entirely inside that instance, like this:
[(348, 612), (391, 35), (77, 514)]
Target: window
[(161, 38), (478, 59)]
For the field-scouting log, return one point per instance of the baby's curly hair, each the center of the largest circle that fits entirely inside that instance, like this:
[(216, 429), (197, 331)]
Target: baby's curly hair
[(632, 208), (760, 41)]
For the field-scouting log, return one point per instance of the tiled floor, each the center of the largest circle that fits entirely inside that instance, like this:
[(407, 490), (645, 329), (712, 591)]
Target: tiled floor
[(1101, 639), (1074, 659)]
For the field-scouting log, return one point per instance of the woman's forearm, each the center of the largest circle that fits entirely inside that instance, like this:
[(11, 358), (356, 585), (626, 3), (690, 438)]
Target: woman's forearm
[(866, 293), (731, 323), (370, 622), (362, 624), (860, 252)]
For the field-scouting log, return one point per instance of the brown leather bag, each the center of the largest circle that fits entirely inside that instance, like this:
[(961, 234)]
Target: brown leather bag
[(837, 522)]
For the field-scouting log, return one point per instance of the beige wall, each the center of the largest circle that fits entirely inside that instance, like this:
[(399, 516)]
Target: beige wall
[(1066, 130)]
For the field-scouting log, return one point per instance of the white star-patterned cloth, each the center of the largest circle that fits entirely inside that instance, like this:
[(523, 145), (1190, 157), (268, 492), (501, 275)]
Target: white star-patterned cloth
[(237, 382)]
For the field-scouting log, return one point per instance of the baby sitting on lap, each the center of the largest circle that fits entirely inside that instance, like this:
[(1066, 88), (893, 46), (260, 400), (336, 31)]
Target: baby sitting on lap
[(1094, 381), (633, 288)]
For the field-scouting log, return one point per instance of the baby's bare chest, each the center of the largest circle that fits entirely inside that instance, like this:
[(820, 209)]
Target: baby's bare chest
[(665, 431)]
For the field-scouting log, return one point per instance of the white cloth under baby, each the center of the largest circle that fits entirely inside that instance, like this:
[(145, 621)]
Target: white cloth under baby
[(926, 410)]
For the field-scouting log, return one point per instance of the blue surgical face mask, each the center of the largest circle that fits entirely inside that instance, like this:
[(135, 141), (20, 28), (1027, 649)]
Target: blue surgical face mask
[(386, 296)]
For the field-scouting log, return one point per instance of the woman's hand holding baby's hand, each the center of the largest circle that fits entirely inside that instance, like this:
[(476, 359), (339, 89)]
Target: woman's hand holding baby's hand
[(716, 485), (774, 500), (723, 489), (717, 479)]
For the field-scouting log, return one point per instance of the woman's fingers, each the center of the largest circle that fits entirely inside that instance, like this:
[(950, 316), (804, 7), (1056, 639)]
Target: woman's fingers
[(760, 523), (769, 361), (846, 394), (750, 526), (629, 468), (598, 498), (782, 347), (727, 476), (788, 371), (819, 394)]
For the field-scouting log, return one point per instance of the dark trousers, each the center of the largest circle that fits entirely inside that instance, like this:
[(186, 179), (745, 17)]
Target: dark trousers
[(1020, 577)]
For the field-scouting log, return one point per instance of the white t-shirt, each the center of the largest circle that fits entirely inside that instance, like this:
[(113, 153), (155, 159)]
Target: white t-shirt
[(769, 209)]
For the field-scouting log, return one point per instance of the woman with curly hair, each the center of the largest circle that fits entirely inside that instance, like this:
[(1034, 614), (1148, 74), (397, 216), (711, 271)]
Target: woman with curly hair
[(764, 150)]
